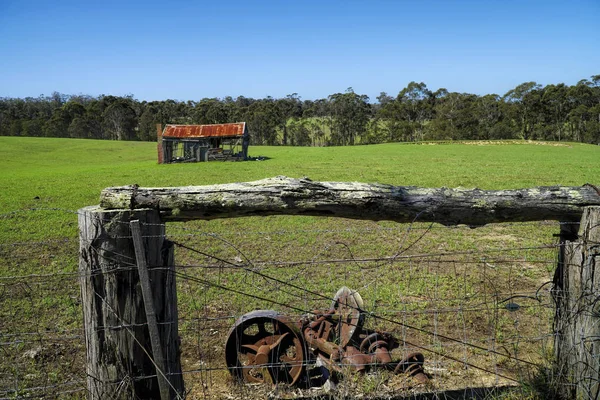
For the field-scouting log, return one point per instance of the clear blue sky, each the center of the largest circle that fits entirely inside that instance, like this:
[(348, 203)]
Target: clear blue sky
[(188, 50)]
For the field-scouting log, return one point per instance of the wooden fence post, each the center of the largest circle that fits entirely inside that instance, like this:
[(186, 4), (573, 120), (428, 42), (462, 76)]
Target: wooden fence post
[(118, 345), (577, 319), (145, 284), (159, 144)]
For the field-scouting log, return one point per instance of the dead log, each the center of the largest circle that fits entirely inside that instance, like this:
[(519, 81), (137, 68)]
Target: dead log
[(282, 195)]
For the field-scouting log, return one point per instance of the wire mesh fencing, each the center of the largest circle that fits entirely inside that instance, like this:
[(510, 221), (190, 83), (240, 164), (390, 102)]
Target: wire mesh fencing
[(475, 302), (42, 347)]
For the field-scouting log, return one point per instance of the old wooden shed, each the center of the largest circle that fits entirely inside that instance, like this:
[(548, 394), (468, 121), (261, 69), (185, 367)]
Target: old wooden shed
[(192, 143)]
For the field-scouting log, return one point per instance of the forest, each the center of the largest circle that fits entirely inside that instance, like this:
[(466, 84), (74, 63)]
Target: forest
[(530, 111)]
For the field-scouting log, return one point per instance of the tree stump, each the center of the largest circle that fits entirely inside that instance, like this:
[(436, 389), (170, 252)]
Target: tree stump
[(118, 346), (577, 319)]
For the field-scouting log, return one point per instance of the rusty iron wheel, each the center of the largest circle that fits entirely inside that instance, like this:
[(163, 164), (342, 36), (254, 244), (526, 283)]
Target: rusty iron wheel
[(264, 346), (348, 306)]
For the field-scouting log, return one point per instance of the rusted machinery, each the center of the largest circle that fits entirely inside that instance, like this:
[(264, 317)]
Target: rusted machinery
[(268, 347)]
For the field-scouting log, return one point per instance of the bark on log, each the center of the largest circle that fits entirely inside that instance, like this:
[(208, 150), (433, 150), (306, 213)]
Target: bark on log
[(116, 335), (282, 195)]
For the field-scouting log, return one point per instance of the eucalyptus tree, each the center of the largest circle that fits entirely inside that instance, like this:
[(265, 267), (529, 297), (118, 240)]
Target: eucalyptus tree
[(263, 119), (390, 126), (525, 101), (299, 132), (317, 134), (58, 125), (555, 110), (316, 108), (488, 110), (415, 107), (288, 107), (350, 113), (382, 100), (209, 111), (458, 116), (148, 121), (584, 116), (529, 111), (119, 119)]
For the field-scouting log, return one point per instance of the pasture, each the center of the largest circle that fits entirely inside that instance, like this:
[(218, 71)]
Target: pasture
[(447, 282)]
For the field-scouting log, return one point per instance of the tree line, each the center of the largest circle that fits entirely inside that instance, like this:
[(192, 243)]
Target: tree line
[(530, 111)]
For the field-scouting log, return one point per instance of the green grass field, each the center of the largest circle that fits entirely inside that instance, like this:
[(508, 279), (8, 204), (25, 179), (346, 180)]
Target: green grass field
[(69, 173), (45, 181)]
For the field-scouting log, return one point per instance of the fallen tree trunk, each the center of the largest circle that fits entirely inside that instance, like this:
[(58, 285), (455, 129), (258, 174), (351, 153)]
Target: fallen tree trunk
[(282, 195)]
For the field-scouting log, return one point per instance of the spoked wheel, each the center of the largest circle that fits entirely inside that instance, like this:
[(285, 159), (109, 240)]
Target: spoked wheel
[(348, 305), (265, 347)]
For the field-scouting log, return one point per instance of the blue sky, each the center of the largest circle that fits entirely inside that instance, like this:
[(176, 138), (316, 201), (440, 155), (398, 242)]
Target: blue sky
[(187, 50)]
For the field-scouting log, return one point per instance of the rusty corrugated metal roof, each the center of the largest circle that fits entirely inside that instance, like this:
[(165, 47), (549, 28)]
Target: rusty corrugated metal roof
[(194, 131)]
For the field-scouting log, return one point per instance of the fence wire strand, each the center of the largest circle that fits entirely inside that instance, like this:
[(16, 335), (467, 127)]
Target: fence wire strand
[(480, 309)]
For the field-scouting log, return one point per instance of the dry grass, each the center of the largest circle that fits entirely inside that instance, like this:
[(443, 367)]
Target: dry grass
[(453, 297), (457, 290)]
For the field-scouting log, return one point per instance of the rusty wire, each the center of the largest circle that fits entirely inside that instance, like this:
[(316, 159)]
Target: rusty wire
[(258, 265), (324, 297)]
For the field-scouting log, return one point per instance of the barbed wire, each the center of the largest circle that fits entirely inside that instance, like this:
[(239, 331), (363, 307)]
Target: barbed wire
[(203, 319), (132, 267), (370, 314), (126, 326)]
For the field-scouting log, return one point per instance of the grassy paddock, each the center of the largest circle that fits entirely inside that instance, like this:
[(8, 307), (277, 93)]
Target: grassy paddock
[(459, 290)]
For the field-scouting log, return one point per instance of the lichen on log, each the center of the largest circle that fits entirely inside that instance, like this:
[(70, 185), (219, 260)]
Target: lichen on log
[(371, 201)]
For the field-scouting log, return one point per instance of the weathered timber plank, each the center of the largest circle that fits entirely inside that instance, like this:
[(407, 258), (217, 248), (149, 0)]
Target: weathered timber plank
[(115, 329), (283, 195), (145, 285), (577, 318)]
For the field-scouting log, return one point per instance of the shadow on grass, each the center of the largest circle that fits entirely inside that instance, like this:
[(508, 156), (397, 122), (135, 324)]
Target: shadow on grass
[(478, 393), (258, 158), (539, 387)]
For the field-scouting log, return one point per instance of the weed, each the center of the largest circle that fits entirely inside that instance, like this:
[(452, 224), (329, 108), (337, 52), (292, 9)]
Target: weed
[(452, 292)]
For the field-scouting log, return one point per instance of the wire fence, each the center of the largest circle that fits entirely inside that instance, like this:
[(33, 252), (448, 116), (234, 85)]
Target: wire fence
[(476, 302)]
